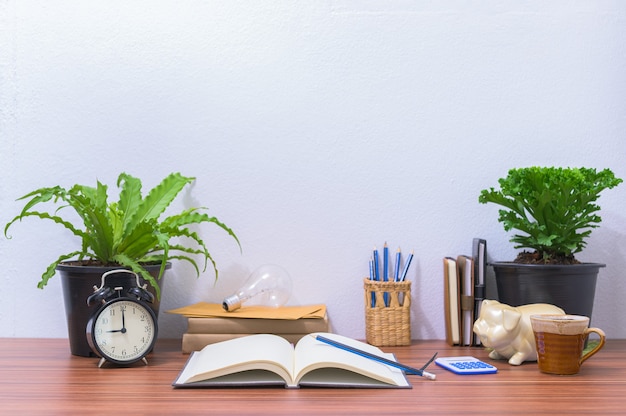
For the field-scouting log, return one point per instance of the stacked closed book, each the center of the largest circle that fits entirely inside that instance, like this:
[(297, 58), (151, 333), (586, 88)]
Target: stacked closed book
[(291, 323), (204, 331)]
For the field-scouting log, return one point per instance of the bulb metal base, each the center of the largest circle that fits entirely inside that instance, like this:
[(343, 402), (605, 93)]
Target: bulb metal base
[(231, 303)]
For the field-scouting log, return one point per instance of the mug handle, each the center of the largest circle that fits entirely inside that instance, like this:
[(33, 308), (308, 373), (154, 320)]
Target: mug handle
[(597, 347)]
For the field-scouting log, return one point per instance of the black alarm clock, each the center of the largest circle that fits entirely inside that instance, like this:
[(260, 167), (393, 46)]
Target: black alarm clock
[(124, 329)]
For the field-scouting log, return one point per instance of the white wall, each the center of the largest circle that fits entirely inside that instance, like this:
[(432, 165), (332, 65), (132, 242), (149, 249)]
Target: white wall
[(316, 130)]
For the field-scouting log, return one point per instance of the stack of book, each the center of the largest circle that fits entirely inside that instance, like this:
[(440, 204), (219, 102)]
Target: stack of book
[(209, 324), (464, 291)]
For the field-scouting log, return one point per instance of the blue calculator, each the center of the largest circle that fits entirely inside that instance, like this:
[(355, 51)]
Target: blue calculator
[(465, 365)]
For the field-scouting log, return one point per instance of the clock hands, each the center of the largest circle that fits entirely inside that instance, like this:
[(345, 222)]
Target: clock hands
[(123, 322), (123, 330)]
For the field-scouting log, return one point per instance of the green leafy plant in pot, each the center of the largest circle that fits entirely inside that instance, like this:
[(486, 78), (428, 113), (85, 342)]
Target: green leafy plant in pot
[(553, 211), (128, 233)]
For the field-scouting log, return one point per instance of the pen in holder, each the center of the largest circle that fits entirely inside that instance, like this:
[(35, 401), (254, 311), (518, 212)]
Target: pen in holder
[(387, 326)]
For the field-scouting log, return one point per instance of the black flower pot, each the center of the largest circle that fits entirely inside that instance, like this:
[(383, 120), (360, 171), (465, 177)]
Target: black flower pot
[(570, 287), (78, 283)]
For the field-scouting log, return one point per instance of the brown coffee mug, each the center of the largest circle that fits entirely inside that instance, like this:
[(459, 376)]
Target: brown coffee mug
[(560, 340)]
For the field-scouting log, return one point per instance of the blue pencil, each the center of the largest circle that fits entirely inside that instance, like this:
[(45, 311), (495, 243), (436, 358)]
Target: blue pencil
[(405, 368)]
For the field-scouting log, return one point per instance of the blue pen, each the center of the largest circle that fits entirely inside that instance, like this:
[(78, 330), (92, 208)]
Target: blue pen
[(406, 266), (405, 368), (376, 275), (386, 271), (396, 274), (385, 262), (373, 303)]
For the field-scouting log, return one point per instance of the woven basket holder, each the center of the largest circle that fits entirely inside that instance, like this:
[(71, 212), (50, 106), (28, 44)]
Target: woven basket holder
[(388, 326)]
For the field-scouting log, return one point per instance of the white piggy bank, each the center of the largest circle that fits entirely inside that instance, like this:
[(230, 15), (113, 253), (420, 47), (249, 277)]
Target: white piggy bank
[(507, 329)]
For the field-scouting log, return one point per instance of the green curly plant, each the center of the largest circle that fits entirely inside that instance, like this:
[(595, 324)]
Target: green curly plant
[(128, 232), (553, 207)]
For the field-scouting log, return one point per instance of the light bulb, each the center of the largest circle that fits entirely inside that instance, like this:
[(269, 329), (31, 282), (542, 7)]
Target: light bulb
[(268, 285)]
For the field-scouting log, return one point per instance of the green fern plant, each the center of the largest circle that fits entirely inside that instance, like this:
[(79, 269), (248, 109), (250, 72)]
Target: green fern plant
[(128, 232), (553, 207)]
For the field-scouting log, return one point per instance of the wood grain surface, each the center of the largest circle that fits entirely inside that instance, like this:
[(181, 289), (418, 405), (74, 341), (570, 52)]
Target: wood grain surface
[(40, 377)]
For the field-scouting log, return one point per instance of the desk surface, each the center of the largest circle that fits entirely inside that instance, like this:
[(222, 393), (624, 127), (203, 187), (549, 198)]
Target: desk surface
[(39, 376)]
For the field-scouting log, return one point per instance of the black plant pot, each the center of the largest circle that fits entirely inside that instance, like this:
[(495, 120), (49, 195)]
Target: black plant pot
[(570, 287), (78, 283)]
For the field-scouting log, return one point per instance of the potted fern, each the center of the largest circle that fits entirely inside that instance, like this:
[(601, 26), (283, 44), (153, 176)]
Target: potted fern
[(128, 233), (553, 211)]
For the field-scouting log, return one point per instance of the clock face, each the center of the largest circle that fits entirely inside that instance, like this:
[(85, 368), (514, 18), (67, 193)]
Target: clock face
[(123, 331)]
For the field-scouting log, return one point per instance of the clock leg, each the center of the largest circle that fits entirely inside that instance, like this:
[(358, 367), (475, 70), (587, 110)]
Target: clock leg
[(101, 362), (144, 360)]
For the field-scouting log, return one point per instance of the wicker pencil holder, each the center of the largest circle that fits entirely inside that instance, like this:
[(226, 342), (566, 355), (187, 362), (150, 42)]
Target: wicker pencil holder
[(388, 326)]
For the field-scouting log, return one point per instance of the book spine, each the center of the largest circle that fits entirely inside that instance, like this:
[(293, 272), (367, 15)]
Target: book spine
[(256, 326)]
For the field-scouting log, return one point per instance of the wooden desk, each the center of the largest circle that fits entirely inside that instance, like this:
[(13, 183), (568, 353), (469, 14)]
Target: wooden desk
[(39, 376)]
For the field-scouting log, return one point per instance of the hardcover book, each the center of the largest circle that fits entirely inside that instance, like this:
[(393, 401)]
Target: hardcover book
[(465, 270), (479, 254), (452, 301), (250, 326), (195, 342)]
